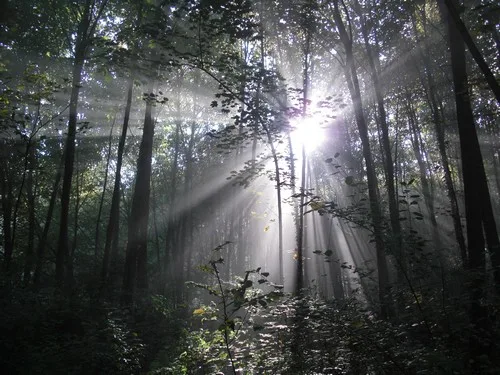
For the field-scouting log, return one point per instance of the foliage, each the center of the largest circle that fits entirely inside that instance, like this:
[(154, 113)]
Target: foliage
[(230, 82), (43, 333), (336, 337), (226, 324)]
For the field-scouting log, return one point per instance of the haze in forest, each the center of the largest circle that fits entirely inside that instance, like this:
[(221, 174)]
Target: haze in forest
[(249, 187)]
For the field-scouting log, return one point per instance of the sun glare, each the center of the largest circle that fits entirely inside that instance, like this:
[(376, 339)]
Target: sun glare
[(309, 131)]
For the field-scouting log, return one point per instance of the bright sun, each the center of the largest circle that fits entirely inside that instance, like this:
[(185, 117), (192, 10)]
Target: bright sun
[(309, 131)]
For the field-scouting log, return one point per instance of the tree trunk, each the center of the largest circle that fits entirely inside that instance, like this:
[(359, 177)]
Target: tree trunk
[(114, 215), (463, 34), (62, 255), (101, 202), (396, 239), (30, 192), (40, 253), (135, 274), (477, 199), (173, 216), (7, 199), (417, 150), (376, 213), (299, 283), (438, 122)]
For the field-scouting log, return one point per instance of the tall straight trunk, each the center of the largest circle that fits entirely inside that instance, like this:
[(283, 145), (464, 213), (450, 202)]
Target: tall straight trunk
[(173, 216), (112, 229), (104, 187), (174, 222), (185, 226), (376, 213), (62, 254), (30, 192), (392, 197), (438, 122), (495, 155), (40, 253), (135, 273), (154, 202), (26, 175), (477, 198), (72, 250), (277, 175), (278, 184), (306, 79), (7, 200), (299, 283), (417, 150)]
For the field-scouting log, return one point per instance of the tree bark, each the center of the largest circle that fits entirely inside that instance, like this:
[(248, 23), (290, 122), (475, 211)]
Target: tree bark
[(101, 202), (7, 199), (396, 239), (62, 255), (30, 192), (112, 229), (417, 150), (463, 33), (477, 199), (135, 275), (40, 253), (438, 122), (376, 213)]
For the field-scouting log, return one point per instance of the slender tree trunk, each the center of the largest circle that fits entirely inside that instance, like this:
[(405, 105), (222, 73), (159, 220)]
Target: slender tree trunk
[(277, 175), (30, 192), (112, 229), (173, 216), (396, 239), (376, 213), (40, 253), (417, 150), (299, 284), (135, 274), (86, 28), (25, 176), (477, 199), (7, 199), (438, 122), (185, 223), (62, 255), (70, 280), (104, 187), (154, 202)]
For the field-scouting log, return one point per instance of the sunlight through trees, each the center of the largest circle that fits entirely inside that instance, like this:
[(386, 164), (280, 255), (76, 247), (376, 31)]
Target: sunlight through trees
[(249, 187)]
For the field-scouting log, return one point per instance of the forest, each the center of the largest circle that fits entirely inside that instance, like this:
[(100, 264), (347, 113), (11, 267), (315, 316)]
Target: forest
[(250, 187)]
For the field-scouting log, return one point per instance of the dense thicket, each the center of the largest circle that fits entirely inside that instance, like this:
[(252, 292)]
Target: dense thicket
[(249, 187)]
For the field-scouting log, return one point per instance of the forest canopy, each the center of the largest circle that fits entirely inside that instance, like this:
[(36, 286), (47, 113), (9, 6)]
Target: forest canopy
[(249, 187)]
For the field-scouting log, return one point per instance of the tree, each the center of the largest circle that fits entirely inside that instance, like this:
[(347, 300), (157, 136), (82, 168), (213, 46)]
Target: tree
[(478, 210), (91, 14), (351, 76)]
